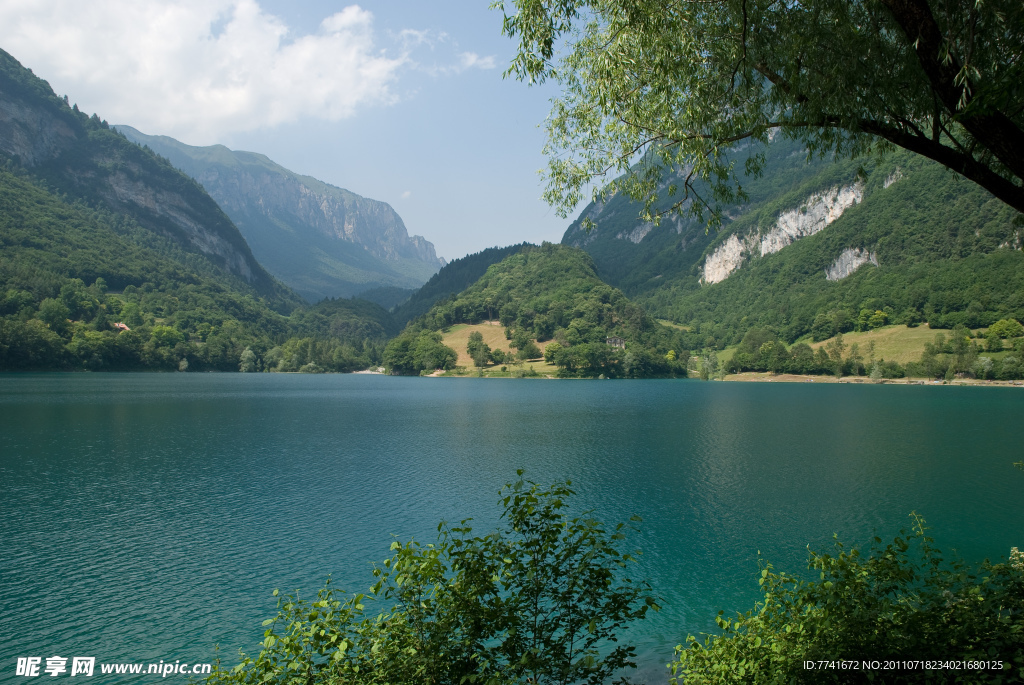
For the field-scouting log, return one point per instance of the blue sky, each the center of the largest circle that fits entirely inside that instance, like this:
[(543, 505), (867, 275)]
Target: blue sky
[(396, 100)]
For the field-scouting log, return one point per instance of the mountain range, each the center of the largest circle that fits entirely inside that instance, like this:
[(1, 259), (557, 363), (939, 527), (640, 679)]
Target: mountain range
[(321, 240), (81, 158), (122, 254)]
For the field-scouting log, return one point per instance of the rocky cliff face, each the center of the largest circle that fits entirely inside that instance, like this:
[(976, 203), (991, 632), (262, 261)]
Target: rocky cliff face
[(32, 135), (817, 212), (82, 157), (331, 212), (320, 239)]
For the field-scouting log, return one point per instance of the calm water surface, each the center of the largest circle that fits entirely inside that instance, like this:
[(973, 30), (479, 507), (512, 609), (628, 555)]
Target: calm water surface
[(150, 516)]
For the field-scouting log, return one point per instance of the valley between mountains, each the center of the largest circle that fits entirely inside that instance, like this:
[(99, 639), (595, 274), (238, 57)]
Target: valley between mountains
[(128, 251)]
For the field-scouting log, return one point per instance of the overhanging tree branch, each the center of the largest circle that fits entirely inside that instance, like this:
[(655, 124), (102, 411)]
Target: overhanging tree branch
[(940, 78)]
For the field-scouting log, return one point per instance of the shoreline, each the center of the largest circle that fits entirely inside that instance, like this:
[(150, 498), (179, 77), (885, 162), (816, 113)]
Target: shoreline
[(766, 377)]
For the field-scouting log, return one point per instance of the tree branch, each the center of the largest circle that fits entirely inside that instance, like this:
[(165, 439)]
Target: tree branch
[(992, 129)]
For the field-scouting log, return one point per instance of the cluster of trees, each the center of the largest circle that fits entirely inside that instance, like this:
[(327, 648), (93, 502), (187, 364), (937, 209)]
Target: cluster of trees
[(483, 355), (418, 350), (995, 355), (87, 328), (763, 350), (588, 360), (542, 599), (967, 354)]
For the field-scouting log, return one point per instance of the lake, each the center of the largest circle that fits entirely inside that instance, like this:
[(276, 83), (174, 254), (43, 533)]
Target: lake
[(149, 517)]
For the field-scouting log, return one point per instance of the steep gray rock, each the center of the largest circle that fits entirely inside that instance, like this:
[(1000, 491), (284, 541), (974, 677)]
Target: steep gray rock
[(32, 135), (815, 213), (322, 240), (849, 261)]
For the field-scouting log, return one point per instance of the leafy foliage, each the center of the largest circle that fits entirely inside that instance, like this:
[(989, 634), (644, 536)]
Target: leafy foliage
[(540, 600), (416, 350), (683, 82), (478, 349), (896, 602)]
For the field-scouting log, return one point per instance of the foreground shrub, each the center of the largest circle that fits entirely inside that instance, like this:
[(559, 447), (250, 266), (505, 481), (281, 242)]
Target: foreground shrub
[(900, 603), (540, 600)]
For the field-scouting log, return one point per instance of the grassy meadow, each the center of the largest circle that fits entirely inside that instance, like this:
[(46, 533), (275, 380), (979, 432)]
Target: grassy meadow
[(457, 338)]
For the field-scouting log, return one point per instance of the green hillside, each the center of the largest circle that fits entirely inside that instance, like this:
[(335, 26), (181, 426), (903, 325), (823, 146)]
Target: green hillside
[(70, 273), (81, 157), (548, 293), (111, 259), (935, 248)]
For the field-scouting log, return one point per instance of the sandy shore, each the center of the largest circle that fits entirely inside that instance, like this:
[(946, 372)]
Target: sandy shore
[(764, 377)]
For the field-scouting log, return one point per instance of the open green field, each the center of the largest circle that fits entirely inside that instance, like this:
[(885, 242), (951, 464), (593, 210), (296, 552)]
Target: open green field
[(457, 338), (892, 343)]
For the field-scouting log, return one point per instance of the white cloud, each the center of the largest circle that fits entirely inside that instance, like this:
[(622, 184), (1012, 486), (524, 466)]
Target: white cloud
[(412, 39), (471, 60), (196, 69), (465, 62), (407, 194)]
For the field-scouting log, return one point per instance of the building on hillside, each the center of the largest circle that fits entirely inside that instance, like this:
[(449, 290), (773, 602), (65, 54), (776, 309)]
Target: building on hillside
[(616, 341)]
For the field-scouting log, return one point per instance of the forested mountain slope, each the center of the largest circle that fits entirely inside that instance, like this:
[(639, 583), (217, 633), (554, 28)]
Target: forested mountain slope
[(81, 157), (112, 259), (321, 240), (84, 288), (817, 243)]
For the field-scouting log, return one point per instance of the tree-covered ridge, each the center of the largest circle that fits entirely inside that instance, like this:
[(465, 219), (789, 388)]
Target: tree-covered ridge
[(70, 273), (81, 157), (452, 279), (552, 292), (947, 253)]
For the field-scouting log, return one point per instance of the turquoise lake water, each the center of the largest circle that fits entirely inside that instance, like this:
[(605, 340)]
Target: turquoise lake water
[(150, 516)]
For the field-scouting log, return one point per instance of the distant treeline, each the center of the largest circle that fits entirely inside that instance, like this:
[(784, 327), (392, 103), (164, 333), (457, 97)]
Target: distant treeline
[(997, 355), (71, 273)]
